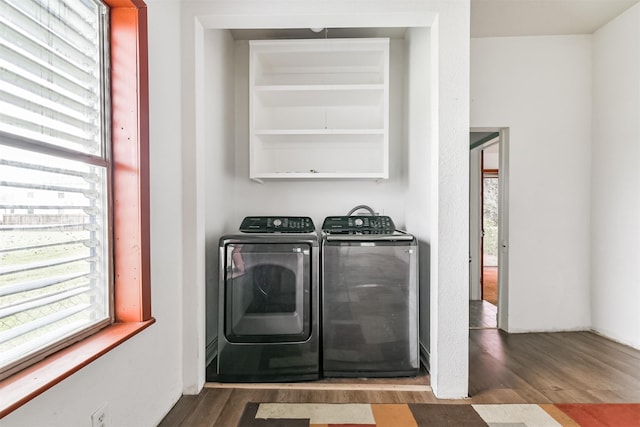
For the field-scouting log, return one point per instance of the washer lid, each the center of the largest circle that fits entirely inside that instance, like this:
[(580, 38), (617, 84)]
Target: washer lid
[(277, 224)]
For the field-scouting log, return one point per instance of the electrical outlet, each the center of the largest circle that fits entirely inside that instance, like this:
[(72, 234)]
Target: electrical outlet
[(99, 418)]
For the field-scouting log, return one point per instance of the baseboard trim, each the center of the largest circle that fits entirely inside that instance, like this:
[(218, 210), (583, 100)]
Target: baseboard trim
[(321, 386)]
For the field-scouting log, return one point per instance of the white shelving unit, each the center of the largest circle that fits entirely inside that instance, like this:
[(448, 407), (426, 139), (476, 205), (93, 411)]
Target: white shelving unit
[(319, 108)]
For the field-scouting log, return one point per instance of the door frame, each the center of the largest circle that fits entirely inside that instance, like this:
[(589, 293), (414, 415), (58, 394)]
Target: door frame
[(503, 221)]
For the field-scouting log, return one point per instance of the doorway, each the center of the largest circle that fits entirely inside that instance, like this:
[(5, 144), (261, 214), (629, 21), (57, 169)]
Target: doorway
[(489, 224), (487, 228)]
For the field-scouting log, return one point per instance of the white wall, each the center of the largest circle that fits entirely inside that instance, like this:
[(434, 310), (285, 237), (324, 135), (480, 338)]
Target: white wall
[(491, 157), (449, 126), (418, 152), (449, 200), (540, 88), (141, 379), (219, 153), (615, 204)]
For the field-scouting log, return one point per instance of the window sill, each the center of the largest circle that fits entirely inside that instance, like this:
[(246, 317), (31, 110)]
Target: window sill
[(23, 386)]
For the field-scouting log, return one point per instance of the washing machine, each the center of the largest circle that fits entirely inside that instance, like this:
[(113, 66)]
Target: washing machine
[(369, 298), (268, 302)]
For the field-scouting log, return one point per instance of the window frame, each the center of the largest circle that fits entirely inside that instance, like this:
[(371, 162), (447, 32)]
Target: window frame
[(128, 41)]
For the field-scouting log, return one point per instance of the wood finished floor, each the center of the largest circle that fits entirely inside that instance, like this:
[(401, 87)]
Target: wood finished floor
[(561, 367), (490, 284), (482, 315)]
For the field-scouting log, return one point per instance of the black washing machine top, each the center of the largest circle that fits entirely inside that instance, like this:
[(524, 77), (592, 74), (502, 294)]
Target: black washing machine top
[(355, 228), (355, 224), (277, 224)]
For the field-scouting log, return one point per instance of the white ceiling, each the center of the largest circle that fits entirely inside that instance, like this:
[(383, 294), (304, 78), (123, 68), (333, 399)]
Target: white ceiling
[(489, 18), (306, 33), (500, 18)]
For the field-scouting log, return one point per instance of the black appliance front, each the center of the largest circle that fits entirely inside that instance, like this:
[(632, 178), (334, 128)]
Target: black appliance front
[(370, 304), (268, 308)]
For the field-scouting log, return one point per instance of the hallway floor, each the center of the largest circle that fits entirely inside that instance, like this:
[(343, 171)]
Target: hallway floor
[(482, 315)]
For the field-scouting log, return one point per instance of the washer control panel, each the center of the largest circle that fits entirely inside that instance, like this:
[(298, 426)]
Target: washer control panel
[(277, 224), (379, 224)]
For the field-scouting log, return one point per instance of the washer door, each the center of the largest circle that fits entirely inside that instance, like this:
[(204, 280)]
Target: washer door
[(267, 290), (370, 308)]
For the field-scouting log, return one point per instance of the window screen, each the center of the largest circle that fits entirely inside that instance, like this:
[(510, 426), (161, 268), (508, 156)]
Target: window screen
[(55, 284)]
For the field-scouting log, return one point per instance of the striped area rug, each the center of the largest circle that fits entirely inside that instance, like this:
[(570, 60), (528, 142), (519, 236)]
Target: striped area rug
[(435, 415)]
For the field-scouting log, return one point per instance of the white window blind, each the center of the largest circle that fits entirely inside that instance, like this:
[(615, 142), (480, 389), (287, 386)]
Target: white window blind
[(54, 176)]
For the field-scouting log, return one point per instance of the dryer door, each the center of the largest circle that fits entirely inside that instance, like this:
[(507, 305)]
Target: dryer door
[(267, 290)]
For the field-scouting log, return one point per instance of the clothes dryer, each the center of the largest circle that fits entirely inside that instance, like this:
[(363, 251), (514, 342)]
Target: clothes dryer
[(268, 302)]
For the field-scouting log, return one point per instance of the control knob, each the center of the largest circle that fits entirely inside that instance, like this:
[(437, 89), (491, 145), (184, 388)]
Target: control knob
[(358, 222), (277, 222)]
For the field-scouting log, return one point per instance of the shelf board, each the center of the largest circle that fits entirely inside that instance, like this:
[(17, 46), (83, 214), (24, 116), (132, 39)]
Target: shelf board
[(319, 175), (320, 132), (318, 87)]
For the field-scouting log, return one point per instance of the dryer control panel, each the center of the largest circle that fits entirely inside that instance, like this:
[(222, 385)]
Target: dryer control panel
[(379, 224), (277, 224)]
